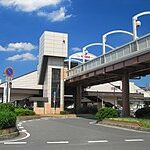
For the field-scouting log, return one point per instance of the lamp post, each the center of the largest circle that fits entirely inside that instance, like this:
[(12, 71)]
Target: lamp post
[(72, 59), (104, 37), (136, 23), (84, 49)]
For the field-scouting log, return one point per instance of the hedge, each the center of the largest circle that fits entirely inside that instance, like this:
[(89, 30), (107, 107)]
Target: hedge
[(106, 113), (7, 119), (24, 112), (7, 107)]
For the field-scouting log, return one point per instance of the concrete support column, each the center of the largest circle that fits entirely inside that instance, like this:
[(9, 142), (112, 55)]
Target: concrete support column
[(125, 94), (78, 97)]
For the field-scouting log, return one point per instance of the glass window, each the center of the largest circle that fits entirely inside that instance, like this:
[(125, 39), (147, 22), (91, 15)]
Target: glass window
[(55, 89), (40, 104)]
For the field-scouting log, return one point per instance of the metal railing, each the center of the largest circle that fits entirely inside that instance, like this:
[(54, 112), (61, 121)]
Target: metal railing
[(129, 50)]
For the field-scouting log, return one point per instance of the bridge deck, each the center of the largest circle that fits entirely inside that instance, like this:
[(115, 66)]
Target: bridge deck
[(133, 56)]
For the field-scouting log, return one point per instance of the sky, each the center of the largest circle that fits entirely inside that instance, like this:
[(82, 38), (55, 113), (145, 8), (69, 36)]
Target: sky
[(23, 21)]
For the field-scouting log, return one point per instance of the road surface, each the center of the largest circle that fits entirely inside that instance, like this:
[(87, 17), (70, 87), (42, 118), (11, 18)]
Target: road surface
[(75, 134)]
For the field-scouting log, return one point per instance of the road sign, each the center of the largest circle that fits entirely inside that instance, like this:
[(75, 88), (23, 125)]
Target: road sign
[(9, 72)]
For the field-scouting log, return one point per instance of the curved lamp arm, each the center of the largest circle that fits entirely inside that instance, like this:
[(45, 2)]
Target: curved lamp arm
[(93, 44), (134, 22), (70, 59), (112, 32)]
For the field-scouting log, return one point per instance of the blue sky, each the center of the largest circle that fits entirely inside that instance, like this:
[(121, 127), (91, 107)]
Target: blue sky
[(23, 22)]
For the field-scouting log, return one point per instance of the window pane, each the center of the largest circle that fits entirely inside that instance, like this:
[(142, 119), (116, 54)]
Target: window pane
[(55, 90)]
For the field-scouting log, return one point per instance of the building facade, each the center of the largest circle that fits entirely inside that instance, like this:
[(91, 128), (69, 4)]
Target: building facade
[(53, 48)]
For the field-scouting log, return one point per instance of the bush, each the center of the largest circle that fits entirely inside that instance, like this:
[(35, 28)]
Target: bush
[(24, 112), (7, 119), (143, 113), (64, 112), (106, 113), (7, 107)]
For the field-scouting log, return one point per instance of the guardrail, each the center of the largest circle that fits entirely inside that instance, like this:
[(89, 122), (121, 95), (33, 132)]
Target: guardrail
[(129, 50)]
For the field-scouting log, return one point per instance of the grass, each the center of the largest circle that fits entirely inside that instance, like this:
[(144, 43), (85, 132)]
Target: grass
[(145, 123)]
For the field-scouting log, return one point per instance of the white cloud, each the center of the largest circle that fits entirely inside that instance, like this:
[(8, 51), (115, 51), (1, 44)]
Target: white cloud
[(29, 5), (76, 49), (55, 16), (18, 47), (22, 57), (2, 48)]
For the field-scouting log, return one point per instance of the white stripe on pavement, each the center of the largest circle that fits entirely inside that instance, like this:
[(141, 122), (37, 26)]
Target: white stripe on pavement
[(134, 140), (100, 141), (13, 143), (24, 130), (21, 127), (58, 142)]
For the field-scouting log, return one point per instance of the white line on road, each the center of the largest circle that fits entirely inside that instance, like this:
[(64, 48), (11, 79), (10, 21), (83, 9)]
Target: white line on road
[(92, 122), (13, 143), (134, 140), (58, 142), (100, 141), (24, 130), (21, 127)]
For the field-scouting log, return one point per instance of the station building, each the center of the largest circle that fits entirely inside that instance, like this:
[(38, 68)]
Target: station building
[(44, 88)]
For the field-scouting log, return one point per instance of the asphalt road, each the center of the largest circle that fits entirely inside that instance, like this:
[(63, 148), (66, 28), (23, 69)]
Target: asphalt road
[(75, 134)]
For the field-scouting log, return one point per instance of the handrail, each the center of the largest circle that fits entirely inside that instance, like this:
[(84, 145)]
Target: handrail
[(125, 51)]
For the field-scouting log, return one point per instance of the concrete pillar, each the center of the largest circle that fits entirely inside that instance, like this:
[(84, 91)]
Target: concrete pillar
[(78, 97), (125, 94)]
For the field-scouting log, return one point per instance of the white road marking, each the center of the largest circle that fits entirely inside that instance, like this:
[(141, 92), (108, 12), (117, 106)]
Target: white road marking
[(24, 130), (93, 122), (58, 142), (21, 127), (13, 143), (134, 140), (20, 123), (100, 141)]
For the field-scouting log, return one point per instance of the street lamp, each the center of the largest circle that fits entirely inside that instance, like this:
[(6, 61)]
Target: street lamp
[(104, 37), (72, 59), (136, 23), (84, 49)]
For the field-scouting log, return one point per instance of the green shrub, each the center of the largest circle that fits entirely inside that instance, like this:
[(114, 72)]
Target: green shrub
[(7, 107), (106, 113), (24, 112), (64, 112), (7, 119), (143, 113)]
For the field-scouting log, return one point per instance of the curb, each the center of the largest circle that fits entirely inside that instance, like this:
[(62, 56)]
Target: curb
[(59, 116), (138, 128)]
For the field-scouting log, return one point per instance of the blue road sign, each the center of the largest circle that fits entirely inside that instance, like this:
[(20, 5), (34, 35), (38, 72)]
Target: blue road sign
[(9, 72)]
